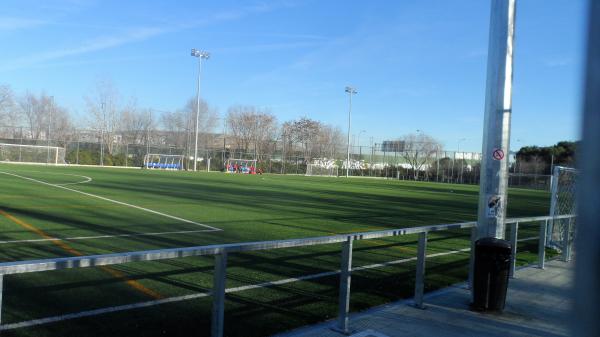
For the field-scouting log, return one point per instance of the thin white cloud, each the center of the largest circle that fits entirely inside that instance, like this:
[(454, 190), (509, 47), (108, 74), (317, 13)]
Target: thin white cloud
[(127, 37), (14, 23), (557, 61), (96, 44), (268, 47)]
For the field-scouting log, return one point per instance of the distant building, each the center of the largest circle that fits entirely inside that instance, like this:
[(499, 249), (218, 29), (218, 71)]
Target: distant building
[(393, 146)]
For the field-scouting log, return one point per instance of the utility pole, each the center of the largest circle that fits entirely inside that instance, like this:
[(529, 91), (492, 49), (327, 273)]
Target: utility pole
[(498, 110), (462, 159), (351, 91), (103, 105), (48, 133), (148, 134)]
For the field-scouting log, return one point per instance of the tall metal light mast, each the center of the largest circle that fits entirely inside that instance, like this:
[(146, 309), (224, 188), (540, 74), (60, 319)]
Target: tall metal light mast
[(200, 55), (498, 110)]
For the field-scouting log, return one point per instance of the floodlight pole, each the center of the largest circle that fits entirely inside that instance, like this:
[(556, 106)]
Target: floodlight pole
[(351, 91), (585, 315), (462, 160), (48, 133), (200, 55), (102, 133), (148, 134), (496, 132)]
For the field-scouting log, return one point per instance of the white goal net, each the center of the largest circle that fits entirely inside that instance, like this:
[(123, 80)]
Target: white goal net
[(17, 153), (244, 166), (163, 161), (322, 167), (563, 202)]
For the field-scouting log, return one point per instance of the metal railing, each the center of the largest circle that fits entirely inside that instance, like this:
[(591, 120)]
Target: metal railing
[(545, 222), (220, 253)]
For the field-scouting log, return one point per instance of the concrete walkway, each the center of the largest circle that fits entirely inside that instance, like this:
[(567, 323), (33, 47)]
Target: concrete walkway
[(538, 304)]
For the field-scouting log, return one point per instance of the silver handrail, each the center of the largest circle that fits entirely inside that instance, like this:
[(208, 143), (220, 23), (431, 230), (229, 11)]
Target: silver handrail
[(221, 251)]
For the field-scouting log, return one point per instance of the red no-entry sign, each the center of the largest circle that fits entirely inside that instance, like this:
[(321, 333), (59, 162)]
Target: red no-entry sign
[(498, 154)]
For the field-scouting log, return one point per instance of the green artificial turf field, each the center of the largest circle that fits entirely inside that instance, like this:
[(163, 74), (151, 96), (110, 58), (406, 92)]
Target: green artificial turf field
[(64, 211)]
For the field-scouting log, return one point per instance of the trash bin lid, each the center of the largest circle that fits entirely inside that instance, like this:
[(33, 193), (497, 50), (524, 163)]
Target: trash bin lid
[(493, 242)]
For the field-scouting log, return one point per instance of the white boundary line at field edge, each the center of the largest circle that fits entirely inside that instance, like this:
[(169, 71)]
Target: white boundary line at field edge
[(95, 312), (115, 201)]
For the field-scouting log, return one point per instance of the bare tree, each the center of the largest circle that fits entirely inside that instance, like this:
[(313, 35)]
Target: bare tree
[(254, 128), (207, 121), (8, 116), (137, 125), (305, 132), (329, 141), (104, 112), (177, 127), (266, 132), (419, 149), (61, 126), (240, 122), (6, 104), (43, 115), (36, 112)]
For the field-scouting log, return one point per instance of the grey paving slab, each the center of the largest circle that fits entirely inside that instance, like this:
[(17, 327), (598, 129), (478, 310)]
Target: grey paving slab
[(538, 304)]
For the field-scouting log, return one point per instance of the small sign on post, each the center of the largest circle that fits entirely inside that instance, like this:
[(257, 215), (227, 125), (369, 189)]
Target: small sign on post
[(494, 206), (498, 154)]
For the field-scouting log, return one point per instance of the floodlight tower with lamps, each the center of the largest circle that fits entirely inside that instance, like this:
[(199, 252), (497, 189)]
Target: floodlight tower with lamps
[(200, 55), (351, 91)]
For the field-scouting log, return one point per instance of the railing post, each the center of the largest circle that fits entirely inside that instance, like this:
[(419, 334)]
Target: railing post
[(420, 277), (1, 292), (542, 244), (345, 278), (567, 241), (514, 229), (218, 294), (472, 256)]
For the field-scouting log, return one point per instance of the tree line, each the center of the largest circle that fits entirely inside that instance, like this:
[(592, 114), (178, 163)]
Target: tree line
[(112, 120)]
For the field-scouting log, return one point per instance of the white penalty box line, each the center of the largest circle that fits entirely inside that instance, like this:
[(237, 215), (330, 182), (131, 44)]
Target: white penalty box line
[(207, 227)]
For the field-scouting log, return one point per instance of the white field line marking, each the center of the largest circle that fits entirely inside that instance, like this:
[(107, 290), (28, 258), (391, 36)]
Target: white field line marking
[(95, 312), (86, 180), (110, 236), (115, 201)]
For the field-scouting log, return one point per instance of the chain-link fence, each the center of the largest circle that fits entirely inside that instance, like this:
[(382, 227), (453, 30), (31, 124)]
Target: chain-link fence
[(84, 148), (563, 202)]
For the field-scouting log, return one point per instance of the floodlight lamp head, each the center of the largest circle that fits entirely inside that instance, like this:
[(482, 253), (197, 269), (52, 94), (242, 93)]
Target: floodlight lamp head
[(350, 90), (200, 54)]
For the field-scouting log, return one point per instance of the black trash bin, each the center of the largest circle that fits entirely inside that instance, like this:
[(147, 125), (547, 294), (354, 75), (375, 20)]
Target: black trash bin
[(490, 279)]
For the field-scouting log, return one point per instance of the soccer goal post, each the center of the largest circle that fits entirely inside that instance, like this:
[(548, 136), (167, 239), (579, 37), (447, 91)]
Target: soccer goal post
[(245, 166), (562, 202), (322, 167), (20, 153), (163, 161)]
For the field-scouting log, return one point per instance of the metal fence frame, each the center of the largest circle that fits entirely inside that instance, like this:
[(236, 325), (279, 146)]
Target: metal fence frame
[(220, 253)]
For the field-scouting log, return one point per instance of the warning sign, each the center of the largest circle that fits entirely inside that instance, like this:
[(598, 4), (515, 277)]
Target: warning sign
[(498, 154)]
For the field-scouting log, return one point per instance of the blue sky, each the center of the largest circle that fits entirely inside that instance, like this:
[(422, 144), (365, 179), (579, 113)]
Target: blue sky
[(416, 64)]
